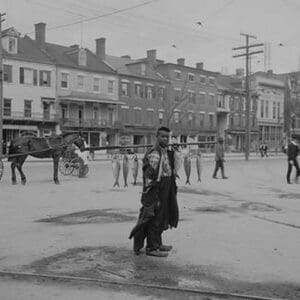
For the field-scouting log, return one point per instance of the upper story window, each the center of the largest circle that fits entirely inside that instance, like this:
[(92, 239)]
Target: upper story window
[(211, 80), (191, 77), (80, 82), (27, 108), (161, 93), (64, 83), (202, 79), (138, 115), (125, 89), (212, 99), (28, 76), (64, 111), (202, 97), (96, 85), (7, 73), (267, 109), (177, 94), (45, 78), (262, 108), (211, 120), (201, 121), (138, 90), (7, 107), (278, 110), (192, 97), (12, 45), (150, 92), (177, 74), (274, 110), (110, 87)]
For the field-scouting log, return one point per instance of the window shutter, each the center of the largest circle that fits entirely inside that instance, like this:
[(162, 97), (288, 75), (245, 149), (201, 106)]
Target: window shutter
[(48, 78), (22, 75), (35, 79), (41, 78)]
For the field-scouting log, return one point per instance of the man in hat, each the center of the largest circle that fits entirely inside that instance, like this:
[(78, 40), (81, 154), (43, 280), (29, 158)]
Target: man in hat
[(219, 158), (159, 198), (292, 153)]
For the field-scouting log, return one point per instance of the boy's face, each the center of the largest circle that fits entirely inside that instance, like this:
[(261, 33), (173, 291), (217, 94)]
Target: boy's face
[(163, 138)]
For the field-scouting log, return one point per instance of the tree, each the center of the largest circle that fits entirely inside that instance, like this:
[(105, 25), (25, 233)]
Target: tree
[(170, 105)]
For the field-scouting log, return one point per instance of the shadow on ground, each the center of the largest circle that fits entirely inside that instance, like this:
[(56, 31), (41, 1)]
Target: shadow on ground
[(119, 264), (91, 216)]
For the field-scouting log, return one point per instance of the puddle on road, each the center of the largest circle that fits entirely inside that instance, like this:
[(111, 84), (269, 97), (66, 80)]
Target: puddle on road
[(186, 190), (91, 216), (289, 196), (262, 207), (120, 264), (244, 207)]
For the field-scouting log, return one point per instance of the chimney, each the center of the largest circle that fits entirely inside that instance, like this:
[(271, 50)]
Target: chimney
[(126, 56), (199, 65), (40, 33), (151, 56), (100, 48), (180, 61)]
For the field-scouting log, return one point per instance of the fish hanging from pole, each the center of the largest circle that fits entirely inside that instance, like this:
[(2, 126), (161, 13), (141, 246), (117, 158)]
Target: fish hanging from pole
[(125, 169), (116, 167), (199, 164), (187, 167)]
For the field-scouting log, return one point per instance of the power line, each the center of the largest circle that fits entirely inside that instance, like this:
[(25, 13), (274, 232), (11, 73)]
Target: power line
[(100, 16)]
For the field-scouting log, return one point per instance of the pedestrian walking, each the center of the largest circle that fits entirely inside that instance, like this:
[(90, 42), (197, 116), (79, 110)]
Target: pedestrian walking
[(159, 209), (219, 159), (292, 153), (265, 149)]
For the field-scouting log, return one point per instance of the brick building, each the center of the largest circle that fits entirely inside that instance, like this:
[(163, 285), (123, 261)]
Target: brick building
[(191, 108), (141, 89)]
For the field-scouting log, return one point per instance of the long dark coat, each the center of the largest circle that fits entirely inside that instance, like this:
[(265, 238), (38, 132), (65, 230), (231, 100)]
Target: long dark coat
[(150, 198)]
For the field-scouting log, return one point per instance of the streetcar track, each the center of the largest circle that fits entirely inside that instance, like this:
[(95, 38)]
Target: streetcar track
[(222, 295)]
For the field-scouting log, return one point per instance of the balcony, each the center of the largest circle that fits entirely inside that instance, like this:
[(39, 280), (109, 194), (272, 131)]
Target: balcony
[(222, 107), (89, 123), (30, 116)]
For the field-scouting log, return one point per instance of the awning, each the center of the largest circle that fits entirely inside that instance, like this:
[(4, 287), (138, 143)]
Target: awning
[(81, 100)]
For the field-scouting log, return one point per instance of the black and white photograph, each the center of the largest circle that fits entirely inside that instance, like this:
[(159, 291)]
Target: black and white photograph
[(150, 149)]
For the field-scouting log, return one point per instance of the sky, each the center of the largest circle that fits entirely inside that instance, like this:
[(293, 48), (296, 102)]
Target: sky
[(170, 27)]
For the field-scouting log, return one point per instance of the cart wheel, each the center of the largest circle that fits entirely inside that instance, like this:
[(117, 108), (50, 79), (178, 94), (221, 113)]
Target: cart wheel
[(76, 163), (85, 170), (65, 167), (1, 168)]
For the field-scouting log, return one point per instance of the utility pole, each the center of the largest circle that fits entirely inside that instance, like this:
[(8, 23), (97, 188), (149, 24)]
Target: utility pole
[(247, 86), (1, 85)]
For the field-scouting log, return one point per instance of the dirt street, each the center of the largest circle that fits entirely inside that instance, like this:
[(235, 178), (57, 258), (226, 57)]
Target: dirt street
[(237, 236)]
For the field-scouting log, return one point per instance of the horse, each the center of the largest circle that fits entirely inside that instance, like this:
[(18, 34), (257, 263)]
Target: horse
[(40, 147)]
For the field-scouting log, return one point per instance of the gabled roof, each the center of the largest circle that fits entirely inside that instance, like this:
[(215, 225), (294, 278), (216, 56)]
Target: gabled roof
[(68, 57), (28, 51), (122, 66)]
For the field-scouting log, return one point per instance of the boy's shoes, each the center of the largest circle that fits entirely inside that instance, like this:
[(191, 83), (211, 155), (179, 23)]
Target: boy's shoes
[(215, 177), (225, 177), (289, 182), (165, 248), (156, 253)]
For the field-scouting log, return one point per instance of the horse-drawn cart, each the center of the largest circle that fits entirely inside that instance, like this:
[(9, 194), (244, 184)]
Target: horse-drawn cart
[(71, 163)]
